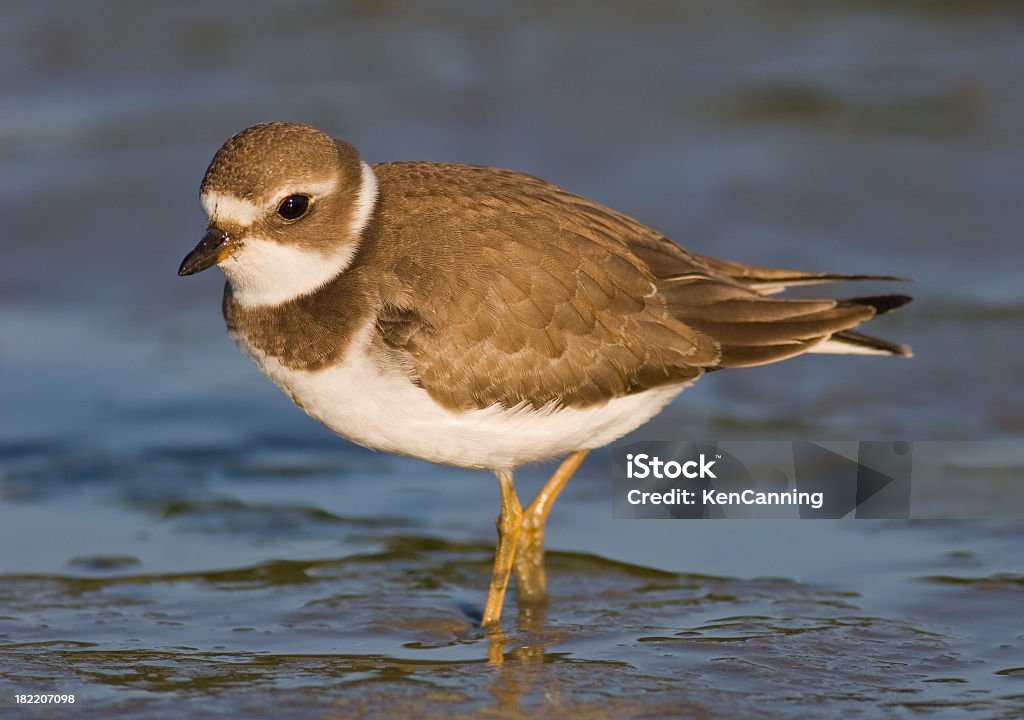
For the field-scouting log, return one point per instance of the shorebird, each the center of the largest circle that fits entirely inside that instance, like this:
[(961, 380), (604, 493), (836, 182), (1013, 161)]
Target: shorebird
[(480, 317)]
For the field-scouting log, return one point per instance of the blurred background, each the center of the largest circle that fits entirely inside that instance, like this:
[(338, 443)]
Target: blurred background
[(151, 478)]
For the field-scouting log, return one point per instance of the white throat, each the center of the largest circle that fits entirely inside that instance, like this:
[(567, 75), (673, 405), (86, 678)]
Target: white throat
[(264, 272)]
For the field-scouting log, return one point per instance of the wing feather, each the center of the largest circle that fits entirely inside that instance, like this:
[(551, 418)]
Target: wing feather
[(549, 299)]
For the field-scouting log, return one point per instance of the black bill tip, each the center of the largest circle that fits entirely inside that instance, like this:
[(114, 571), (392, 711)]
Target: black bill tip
[(207, 253)]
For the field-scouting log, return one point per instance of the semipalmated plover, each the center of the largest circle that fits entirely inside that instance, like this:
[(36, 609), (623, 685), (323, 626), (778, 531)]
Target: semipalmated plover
[(481, 317)]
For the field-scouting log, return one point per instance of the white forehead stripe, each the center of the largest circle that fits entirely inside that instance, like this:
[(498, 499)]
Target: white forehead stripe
[(222, 207), (313, 189), (228, 208)]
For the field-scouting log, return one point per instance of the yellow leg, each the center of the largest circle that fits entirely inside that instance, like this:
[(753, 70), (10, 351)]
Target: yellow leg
[(510, 524), (529, 564)]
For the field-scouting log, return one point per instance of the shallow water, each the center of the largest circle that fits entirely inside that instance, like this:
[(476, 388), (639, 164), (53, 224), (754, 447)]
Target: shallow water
[(174, 535)]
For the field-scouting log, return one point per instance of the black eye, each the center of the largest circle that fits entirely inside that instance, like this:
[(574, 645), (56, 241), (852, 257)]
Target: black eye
[(293, 207)]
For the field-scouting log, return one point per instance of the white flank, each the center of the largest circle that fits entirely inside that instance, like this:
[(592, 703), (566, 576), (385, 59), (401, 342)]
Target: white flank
[(385, 411)]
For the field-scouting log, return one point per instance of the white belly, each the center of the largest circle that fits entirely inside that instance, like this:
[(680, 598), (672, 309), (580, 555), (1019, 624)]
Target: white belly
[(384, 411)]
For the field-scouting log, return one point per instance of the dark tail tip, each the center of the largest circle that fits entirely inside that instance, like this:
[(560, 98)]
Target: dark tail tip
[(881, 303)]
